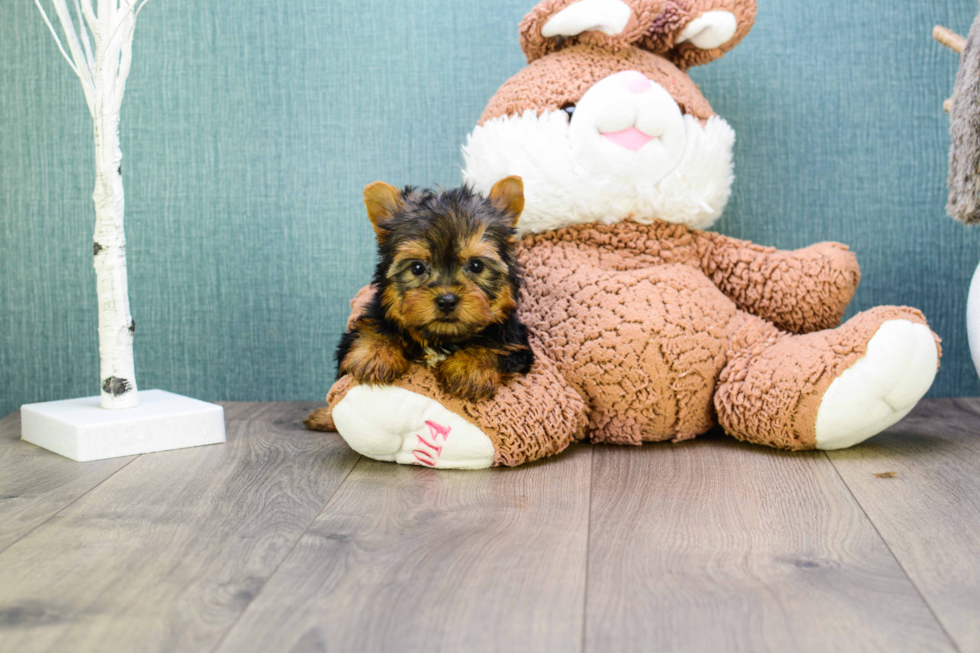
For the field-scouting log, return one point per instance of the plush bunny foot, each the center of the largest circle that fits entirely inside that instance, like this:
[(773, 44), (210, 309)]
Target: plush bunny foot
[(828, 389), (880, 388), (397, 425), (414, 422)]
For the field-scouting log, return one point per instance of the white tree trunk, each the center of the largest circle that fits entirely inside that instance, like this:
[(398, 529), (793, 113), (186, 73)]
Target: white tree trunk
[(116, 325), (103, 75)]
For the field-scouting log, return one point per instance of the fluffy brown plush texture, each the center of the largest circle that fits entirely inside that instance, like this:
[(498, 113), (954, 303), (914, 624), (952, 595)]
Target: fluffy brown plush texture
[(639, 322), (964, 130), (565, 76)]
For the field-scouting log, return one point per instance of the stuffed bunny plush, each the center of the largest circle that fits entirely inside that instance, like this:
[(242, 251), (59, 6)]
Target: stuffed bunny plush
[(644, 327)]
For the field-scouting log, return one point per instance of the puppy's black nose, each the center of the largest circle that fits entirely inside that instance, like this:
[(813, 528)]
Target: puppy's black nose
[(447, 303)]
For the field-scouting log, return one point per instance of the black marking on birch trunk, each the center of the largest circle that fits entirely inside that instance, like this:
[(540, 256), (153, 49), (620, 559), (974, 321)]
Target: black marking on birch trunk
[(132, 325), (96, 248), (115, 386), (120, 170)]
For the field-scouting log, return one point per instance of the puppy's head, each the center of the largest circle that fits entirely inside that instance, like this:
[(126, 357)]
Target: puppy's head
[(447, 268)]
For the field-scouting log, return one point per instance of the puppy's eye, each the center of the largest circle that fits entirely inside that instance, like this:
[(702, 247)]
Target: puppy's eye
[(476, 267), (418, 269), (569, 109)]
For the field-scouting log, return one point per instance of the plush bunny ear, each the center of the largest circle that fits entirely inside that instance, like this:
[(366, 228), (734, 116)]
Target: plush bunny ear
[(694, 32), (614, 24)]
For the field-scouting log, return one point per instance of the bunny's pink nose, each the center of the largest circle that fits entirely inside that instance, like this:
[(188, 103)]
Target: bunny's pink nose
[(635, 81)]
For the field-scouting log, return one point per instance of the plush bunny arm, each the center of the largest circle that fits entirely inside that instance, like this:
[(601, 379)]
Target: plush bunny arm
[(359, 304), (799, 291), (613, 24), (694, 32)]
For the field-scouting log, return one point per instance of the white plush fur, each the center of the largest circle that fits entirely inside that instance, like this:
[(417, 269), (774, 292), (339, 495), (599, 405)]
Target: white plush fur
[(880, 388), (562, 189)]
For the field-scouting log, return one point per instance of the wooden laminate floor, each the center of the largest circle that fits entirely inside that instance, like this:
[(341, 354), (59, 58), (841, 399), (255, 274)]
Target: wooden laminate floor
[(286, 540)]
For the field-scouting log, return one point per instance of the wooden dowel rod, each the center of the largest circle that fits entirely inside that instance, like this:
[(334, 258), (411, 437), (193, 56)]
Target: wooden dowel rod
[(949, 38)]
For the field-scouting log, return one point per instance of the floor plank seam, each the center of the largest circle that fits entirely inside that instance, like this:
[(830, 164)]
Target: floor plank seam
[(234, 623), (69, 504), (928, 605), (588, 542)]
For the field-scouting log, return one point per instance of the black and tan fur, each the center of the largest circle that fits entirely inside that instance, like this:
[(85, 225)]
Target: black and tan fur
[(446, 286)]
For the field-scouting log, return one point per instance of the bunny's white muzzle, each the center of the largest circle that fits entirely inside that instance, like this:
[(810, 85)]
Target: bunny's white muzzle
[(627, 152)]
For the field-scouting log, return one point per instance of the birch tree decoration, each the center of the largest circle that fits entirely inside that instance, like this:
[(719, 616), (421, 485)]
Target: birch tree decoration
[(80, 428), (103, 76)]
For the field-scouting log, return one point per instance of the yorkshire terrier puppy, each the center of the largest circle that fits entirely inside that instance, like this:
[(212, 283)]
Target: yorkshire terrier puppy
[(446, 290)]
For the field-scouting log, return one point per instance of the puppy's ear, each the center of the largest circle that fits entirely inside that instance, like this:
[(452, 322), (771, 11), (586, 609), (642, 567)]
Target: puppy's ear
[(507, 195), (382, 202)]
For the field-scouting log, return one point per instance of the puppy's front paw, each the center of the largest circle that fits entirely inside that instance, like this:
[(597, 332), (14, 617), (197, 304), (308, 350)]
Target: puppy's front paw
[(378, 371), (470, 374), (375, 361)]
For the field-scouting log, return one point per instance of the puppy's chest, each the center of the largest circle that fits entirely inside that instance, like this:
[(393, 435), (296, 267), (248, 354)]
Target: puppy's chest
[(432, 356)]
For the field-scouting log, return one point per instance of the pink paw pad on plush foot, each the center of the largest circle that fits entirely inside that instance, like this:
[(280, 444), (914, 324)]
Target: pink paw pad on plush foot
[(428, 452)]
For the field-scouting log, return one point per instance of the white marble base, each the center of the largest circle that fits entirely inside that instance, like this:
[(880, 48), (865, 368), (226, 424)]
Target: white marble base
[(81, 430)]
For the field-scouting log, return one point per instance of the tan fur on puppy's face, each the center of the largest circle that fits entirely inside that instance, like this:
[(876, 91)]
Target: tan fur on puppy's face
[(412, 299), (413, 305)]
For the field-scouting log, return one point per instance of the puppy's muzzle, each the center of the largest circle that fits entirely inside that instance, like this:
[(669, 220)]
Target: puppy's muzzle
[(447, 303)]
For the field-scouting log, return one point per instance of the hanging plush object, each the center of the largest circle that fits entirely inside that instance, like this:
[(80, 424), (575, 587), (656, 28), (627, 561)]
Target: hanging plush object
[(964, 156)]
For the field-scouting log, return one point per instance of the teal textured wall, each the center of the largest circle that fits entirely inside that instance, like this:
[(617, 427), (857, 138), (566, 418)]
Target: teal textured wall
[(249, 129)]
